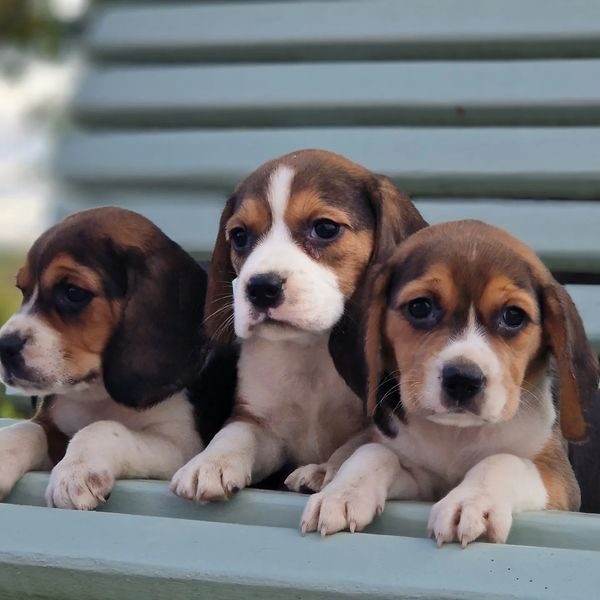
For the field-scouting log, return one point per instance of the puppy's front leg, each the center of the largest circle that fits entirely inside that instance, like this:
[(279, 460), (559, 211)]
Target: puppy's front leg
[(23, 448), (485, 501), (358, 492), (315, 477), (242, 452), (107, 450)]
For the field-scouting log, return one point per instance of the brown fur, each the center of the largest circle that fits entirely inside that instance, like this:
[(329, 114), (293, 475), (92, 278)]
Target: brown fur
[(557, 475), (133, 272), (506, 270), (56, 440), (466, 264), (83, 346), (376, 216)]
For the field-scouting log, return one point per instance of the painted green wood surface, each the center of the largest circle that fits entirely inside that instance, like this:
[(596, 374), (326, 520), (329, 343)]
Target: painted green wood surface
[(373, 29), (565, 234), (516, 162), (52, 553), (283, 509), (384, 93)]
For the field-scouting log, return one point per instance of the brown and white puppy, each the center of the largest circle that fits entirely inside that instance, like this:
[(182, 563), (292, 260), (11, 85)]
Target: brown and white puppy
[(297, 235), (466, 324), (109, 338)]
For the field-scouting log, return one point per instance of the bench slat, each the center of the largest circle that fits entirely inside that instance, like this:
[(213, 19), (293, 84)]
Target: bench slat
[(66, 554), (519, 162), (473, 93), (378, 29), (563, 233), (283, 509)]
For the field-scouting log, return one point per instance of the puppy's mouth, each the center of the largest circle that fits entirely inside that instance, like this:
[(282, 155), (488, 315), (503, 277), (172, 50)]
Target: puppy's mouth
[(267, 318), (457, 417), (34, 383), (31, 384), (278, 322)]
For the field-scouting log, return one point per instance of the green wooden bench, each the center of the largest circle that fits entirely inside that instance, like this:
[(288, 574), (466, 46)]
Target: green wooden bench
[(477, 108)]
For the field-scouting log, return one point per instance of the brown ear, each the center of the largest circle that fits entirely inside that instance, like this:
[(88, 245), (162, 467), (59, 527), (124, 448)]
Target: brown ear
[(373, 339), (158, 346), (396, 218), (219, 297), (576, 360)]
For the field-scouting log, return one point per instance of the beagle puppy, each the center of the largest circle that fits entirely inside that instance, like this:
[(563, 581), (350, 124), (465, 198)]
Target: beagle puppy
[(109, 338), (297, 237), (464, 330)]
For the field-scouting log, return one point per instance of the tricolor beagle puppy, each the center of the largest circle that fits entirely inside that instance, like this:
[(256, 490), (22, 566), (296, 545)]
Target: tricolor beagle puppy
[(466, 325), (297, 236), (110, 339)]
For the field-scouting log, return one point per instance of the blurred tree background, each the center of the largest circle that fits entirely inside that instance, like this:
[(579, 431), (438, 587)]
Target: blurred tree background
[(33, 33), (43, 27), (10, 298)]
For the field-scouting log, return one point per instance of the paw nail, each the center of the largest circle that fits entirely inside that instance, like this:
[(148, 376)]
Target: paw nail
[(352, 527)]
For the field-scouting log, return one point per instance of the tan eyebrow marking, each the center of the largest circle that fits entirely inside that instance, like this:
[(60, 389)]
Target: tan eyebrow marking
[(254, 214), (502, 291), (436, 281)]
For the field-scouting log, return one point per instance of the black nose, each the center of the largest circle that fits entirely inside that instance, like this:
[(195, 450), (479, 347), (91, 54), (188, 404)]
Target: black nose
[(462, 382), (10, 347), (265, 291)]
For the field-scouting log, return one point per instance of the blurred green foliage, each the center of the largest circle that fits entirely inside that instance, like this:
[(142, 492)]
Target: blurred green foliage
[(31, 24), (10, 298)]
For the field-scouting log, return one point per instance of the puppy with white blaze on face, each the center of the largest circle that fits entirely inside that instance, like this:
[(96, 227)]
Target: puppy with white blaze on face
[(466, 331), (110, 340), (297, 236)]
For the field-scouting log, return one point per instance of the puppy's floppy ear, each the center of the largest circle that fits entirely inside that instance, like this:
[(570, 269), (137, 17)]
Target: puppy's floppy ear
[(396, 218), (158, 345), (219, 297), (575, 358), (374, 350)]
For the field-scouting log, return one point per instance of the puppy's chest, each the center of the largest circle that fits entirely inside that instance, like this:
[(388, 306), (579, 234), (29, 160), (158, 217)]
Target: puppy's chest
[(443, 454), (73, 413), (296, 391)]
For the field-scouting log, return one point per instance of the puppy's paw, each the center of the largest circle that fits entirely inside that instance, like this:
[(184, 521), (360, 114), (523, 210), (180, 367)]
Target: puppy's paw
[(308, 477), (79, 484), (464, 517), (206, 480), (336, 508)]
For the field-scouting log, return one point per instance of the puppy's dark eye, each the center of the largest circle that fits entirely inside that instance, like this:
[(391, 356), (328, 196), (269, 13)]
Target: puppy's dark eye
[(513, 317), (76, 295), (420, 308), (325, 230), (239, 238), (422, 313), (71, 298)]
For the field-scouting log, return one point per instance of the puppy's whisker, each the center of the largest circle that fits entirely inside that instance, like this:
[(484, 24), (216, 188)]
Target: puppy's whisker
[(223, 327), (218, 311)]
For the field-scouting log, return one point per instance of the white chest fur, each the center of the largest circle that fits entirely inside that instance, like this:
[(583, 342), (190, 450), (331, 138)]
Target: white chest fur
[(442, 454), (295, 389), (72, 413)]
